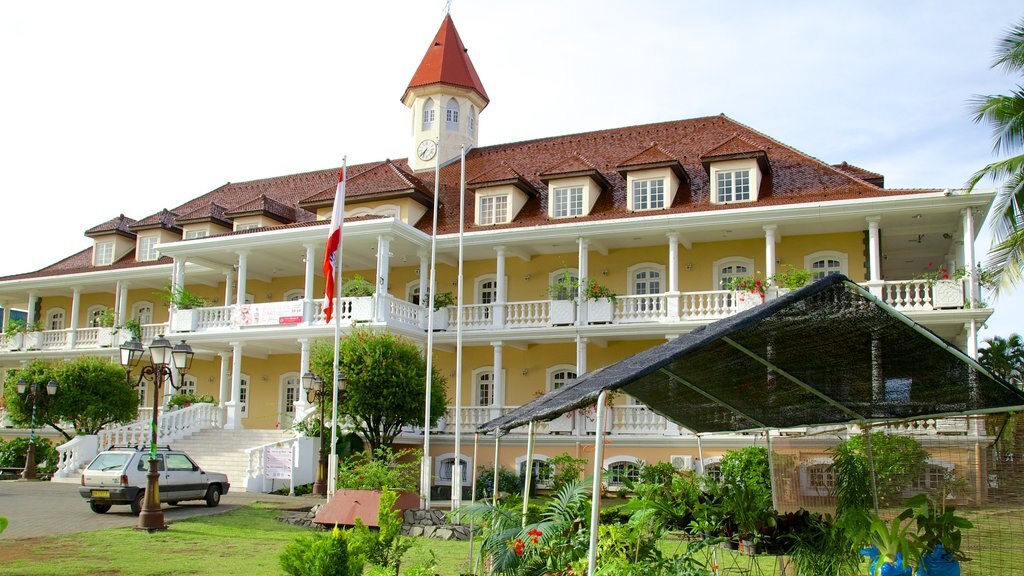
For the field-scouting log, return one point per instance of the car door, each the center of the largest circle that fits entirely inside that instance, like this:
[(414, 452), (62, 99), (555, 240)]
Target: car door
[(184, 478)]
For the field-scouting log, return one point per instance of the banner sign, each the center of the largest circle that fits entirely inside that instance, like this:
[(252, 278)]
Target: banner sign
[(268, 314), (277, 462)]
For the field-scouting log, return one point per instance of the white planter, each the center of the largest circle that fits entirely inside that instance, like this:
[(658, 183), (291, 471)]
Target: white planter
[(362, 309), (745, 300), (441, 319), (600, 311), (15, 342), (107, 337), (33, 341), (562, 312), (948, 294), (185, 320)]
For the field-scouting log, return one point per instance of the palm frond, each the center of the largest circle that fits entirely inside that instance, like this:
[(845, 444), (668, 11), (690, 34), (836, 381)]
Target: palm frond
[(1005, 115), (1006, 261), (1010, 49)]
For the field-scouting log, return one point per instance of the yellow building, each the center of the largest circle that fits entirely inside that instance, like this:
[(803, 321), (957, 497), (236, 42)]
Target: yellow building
[(664, 215)]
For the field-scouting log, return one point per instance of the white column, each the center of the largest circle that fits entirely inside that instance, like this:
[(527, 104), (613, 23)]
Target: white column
[(301, 405), (117, 304), (581, 356), (229, 287), (972, 338), (7, 315), (969, 258), (874, 249), (224, 391), (122, 302), (499, 380), (498, 317), (581, 306), (76, 307), (383, 275), (234, 416), (769, 249), (307, 294), (424, 277), (33, 297), (243, 267), (673, 276)]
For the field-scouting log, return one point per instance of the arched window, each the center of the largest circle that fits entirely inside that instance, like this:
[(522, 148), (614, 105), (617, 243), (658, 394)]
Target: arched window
[(559, 376), (412, 292), (451, 114), (289, 394), (620, 469), (94, 314), (428, 114), (543, 472), (712, 468), (445, 469), (143, 312), (645, 279), (558, 275), (483, 386), (55, 319), (825, 263), (471, 125), (728, 269), (293, 295), (487, 292)]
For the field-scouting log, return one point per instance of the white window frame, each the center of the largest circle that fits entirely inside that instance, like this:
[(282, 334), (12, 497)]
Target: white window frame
[(478, 288), (244, 394), (806, 488), (92, 315), (285, 416), (568, 204), (609, 462), (428, 114), (537, 459), (633, 271), (549, 376), (842, 257), (734, 195), (294, 294), (451, 115), (646, 202), (103, 253), (248, 226), (467, 468), (147, 251), (476, 376), (137, 310), (703, 465), (194, 234), (412, 293), (50, 319), (188, 384), (718, 265), (488, 216)]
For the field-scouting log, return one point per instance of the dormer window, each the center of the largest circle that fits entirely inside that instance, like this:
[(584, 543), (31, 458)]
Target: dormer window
[(733, 186), (649, 194), (451, 115), (493, 210), (428, 114), (147, 248), (568, 202), (103, 254), (191, 234)]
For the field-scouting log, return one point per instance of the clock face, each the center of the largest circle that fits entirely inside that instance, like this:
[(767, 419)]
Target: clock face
[(426, 149)]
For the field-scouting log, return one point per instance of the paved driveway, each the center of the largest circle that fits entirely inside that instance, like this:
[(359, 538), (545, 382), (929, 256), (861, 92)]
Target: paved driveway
[(49, 508)]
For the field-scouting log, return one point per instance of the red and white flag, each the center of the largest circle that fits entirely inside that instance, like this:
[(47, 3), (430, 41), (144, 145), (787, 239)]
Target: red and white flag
[(333, 241)]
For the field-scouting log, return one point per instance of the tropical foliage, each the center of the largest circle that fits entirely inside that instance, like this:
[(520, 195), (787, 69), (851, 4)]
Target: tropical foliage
[(1004, 357)]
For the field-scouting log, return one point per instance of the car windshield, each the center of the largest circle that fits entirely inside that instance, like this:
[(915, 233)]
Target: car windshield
[(113, 461)]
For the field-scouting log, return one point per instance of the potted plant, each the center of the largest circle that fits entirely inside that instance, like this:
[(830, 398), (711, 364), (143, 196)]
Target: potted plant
[(131, 329), (892, 545), (360, 291), (442, 315), (185, 317), (34, 336), (107, 334), (791, 279), (600, 302), (751, 509), (562, 293), (938, 529), (14, 335), (186, 399), (747, 291)]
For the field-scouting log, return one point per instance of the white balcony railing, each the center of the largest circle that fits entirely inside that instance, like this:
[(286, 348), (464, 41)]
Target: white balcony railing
[(708, 305), (645, 308)]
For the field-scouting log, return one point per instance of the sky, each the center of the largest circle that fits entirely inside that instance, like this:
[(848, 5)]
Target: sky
[(129, 107)]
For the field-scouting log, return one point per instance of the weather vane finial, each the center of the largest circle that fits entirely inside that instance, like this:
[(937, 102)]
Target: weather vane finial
[(447, 7)]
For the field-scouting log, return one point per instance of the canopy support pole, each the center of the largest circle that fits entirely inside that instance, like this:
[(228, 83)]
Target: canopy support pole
[(595, 500), (497, 467), (700, 455), (793, 379), (871, 465), (472, 494), (709, 396), (528, 481), (771, 470)]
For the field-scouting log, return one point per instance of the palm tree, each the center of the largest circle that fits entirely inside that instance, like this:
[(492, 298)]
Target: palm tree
[(1004, 357), (1005, 114)]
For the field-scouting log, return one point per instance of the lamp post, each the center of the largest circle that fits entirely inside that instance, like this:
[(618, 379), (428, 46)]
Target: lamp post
[(37, 394), (164, 359), (316, 392)]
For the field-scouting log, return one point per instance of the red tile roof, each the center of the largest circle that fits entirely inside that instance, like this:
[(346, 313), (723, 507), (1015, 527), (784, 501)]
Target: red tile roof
[(873, 178), (386, 179), (501, 175), (264, 205), (733, 146), (653, 157), (116, 225), (447, 62), (570, 166), (80, 262), (211, 212), (162, 219)]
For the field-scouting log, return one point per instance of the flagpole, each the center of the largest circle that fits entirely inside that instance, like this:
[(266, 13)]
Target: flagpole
[(457, 471), (425, 461), (332, 460)]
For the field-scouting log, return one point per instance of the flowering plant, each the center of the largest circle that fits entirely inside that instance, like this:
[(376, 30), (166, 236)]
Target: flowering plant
[(747, 284)]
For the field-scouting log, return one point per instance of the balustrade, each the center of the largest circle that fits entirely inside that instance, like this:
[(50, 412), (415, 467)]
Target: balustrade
[(707, 305), (641, 308)]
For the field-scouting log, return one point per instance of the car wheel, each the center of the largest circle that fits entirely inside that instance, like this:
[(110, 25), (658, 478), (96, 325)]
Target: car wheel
[(137, 503), (213, 496), (99, 508)]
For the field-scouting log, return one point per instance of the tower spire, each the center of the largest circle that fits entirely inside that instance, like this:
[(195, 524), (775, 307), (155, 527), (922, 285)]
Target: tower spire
[(446, 62)]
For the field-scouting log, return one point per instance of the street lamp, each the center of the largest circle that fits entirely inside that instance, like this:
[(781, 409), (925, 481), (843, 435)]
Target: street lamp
[(37, 394), (164, 359), (316, 392)]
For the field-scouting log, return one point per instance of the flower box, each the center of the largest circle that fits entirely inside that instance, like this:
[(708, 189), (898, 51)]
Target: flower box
[(745, 300), (600, 311), (185, 320), (33, 341), (15, 341), (111, 337), (441, 319), (361, 308), (562, 312), (948, 294)]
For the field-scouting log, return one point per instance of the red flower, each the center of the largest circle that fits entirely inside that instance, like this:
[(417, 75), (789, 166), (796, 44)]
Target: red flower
[(519, 547), (534, 534), (930, 264)]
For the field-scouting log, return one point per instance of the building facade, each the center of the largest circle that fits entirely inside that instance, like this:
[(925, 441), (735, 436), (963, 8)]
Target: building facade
[(664, 215)]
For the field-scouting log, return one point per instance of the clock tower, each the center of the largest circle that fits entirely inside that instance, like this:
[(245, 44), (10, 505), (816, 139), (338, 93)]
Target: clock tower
[(446, 97)]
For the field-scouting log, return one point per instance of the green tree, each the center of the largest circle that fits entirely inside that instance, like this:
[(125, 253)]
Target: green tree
[(1004, 113), (1004, 357), (91, 393), (386, 383)]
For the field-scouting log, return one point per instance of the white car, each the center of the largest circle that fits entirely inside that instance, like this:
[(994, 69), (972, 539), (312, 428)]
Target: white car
[(118, 476)]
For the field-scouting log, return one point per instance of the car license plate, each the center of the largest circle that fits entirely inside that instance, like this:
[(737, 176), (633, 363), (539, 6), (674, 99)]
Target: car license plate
[(101, 493)]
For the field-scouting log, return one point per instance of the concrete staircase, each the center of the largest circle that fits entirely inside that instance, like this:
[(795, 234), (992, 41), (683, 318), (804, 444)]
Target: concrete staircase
[(219, 450)]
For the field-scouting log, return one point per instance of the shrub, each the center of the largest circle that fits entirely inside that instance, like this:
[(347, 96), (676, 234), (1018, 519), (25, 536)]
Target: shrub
[(898, 461), (322, 554), (357, 287), (564, 469), (508, 482), (379, 470), (13, 452), (659, 473), (385, 547)]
